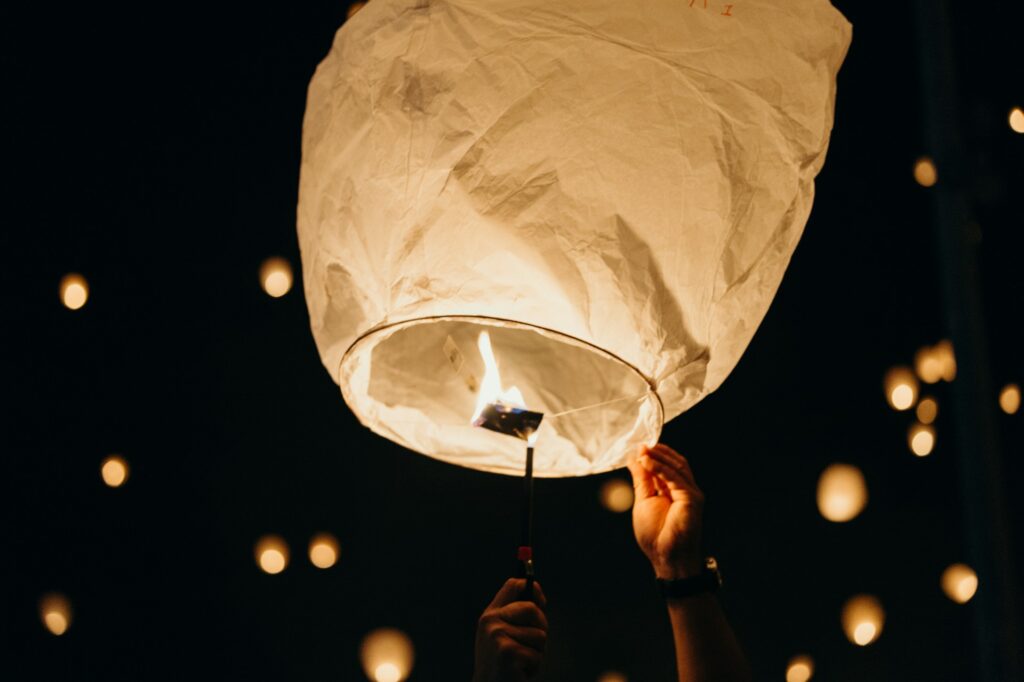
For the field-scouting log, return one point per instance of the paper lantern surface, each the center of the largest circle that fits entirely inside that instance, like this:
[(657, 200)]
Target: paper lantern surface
[(612, 190)]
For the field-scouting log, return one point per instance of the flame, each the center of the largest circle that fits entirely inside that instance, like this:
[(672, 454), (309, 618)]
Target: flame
[(490, 388)]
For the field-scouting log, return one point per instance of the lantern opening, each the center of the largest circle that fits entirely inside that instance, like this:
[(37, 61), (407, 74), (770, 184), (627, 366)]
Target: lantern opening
[(417, 381)]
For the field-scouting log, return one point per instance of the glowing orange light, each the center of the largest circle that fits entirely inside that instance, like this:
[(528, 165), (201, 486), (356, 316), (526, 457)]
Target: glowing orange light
[(900, 388), (617, 495), (323, 550), (276, 276), (927, 410), (74, 291), (800, 669), (928, 365), (272, 554), (387, 655), (947, 359), (921, 439), (959, 582), (925, 172), (842, 492), (1009, 399), (55, 611), (863, 618), (114, 471), (612, 676), (1016, 119)]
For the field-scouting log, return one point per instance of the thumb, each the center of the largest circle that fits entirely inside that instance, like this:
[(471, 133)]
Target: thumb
[(643, 482)]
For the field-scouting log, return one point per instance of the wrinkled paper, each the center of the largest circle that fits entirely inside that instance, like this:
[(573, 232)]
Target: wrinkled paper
[(612, 189)]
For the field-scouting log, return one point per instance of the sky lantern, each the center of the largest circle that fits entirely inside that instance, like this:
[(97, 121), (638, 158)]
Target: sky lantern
[(863, 618), (800, 669), (387, 655), (272, 554), (842, 492), (55, 612), (959, 582), (616, 221), (901, 388)]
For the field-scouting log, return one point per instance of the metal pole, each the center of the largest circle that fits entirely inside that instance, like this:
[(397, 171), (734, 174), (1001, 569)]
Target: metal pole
[(985, 524)]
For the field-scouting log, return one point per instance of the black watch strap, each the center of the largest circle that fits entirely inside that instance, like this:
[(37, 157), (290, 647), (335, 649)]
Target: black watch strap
[(708, 580)]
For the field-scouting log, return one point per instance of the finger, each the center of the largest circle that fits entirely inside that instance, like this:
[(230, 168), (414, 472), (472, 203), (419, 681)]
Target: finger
[(523, 613), (534, 638), (643, 482), (671, 458), (522, 657), (512, 591), (669, 474), (662, 486)]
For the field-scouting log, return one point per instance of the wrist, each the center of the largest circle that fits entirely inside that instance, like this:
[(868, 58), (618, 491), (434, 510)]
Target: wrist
[(677, 569)]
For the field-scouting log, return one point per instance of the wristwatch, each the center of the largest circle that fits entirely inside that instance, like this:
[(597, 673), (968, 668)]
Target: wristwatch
[(708, 580)]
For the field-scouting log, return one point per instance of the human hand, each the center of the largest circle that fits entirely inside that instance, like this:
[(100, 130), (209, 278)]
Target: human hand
[(667, 512), (511, 635)]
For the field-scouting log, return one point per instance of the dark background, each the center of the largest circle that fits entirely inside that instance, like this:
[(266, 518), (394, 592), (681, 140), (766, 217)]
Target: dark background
[(155, 149)]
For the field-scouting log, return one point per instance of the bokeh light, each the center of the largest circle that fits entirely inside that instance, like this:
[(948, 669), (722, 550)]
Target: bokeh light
[(927, 365), (1016, 119), (800, 669), (842, 492), (927, 410), (1009, 399), (617, 495), (276, 276), (74, 291), (272, 554), (959, 582), (55, 612), (925, 172), (323, 550), (900, 388), (863, 619), (386, 655), (114, 471), (612, 676), (921, 439), (943, 350)]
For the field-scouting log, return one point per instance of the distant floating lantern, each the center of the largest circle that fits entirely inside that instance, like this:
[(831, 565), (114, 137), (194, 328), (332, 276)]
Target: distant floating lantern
[(900, 388), (1009, 399), (612, 676), (863, 619), (276, 276), (74, 291), (114, 471), (323, 550), (55, 612), (1016, 119), (928, 365), (617, 495), (921, 439), (272, 554), (925, 172), (842, 492), (565, 195), (927, 410), (947, 359), (959, 582), (800, 669), (386, 655)]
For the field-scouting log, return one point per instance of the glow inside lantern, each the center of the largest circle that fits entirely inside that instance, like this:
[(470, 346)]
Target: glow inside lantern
[(616, 219), (863, 618)]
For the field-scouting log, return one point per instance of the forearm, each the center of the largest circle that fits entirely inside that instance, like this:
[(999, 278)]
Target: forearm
[(706, 649)]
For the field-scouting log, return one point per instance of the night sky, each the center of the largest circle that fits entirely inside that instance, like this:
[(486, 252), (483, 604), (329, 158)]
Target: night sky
[(155, 150)]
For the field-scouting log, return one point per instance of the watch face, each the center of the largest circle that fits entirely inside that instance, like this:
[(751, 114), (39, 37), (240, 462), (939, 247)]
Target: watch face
[(711, 564)]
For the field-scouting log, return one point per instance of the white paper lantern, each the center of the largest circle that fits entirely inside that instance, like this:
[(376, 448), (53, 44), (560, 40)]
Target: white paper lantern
[(612, 190)]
